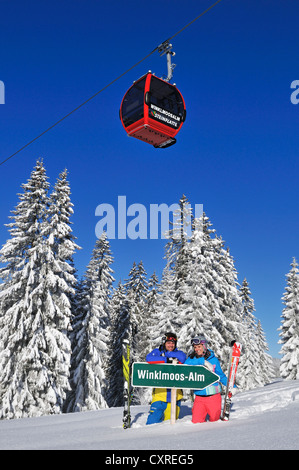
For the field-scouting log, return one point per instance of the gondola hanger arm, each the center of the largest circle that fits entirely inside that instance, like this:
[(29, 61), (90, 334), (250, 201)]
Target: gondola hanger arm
[(166, 48)]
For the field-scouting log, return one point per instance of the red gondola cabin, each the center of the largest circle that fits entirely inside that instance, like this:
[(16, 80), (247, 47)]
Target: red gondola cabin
[(153, 111)]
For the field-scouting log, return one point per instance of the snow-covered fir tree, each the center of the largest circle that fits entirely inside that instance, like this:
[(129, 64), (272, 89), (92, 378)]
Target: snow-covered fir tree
[(172, 288), (177, 256), (289, 329), (148, 337), (204, 294), (226, 291), (91, 333), (35, 304), (265, 365), (61, 238), (166, 304), (120, 330), (179, 237), (78, 338), (136, 292), (202, 313), (154, 291), (248, 372)]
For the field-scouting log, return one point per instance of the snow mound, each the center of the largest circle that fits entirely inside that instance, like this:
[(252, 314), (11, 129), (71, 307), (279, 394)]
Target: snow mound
[(272, 397), (263, 418)]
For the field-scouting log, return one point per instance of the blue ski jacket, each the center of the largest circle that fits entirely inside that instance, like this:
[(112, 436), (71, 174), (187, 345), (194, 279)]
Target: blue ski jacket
[(212, 359), (160, 356)]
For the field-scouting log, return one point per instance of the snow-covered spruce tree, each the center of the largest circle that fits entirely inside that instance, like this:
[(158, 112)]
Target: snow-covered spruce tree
[(225, 289), (289, 329), (165, 308), (211, 300), (152, 314), (80, 307), (34, 346), (136, 292), (120, 330), (91, 333), (173, 284), (180, 238), (61, 238), (203, 312), (265, 366), (151, 319), (167, 318), (177, 251), (199, 285), (248, 371)]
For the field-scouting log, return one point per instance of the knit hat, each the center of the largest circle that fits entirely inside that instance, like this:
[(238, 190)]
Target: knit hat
[(170, 337)]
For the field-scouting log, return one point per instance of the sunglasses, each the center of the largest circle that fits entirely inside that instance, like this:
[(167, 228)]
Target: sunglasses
[(169, 338), (197, 341)]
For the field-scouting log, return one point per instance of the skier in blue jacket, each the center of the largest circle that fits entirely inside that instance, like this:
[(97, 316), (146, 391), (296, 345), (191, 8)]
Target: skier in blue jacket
[(161, 398), (208, 400)]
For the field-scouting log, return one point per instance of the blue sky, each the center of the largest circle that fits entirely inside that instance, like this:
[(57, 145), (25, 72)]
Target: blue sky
[(237, 153)]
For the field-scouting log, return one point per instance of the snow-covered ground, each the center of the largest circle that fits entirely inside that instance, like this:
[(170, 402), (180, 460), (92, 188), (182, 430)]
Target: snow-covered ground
[(264, 418)]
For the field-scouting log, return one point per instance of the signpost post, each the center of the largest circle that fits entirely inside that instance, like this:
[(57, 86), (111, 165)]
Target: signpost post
[(173, 401), (172, 376)]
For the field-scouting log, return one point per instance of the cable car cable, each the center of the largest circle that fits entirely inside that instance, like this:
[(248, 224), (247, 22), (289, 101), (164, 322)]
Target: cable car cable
[(78, 107), (193, 21), (109, 84)]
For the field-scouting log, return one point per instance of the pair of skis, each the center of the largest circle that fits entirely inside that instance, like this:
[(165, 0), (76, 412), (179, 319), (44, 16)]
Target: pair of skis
[(232, 371), (127, 383)]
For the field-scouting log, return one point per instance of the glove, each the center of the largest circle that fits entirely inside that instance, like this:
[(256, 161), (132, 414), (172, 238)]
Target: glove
[(233, 392), (171, 360), (209, 366)]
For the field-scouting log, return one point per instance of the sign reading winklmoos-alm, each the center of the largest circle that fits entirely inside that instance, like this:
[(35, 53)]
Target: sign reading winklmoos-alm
[(172, 376)]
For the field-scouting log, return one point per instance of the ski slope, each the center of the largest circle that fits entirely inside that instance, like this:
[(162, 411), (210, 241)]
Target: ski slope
[(264, 418)]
